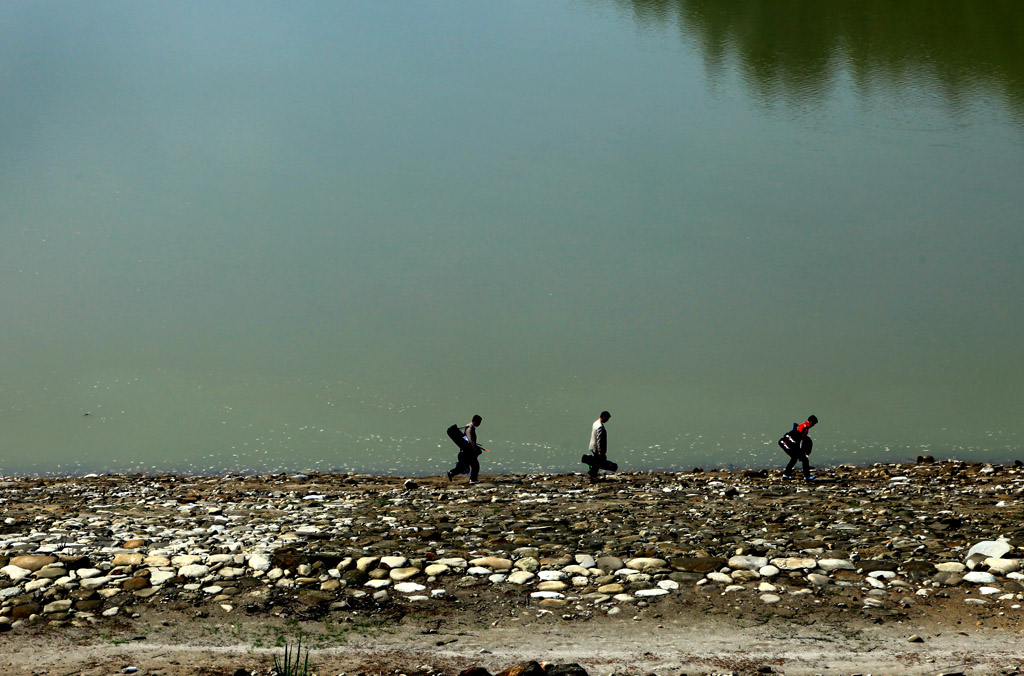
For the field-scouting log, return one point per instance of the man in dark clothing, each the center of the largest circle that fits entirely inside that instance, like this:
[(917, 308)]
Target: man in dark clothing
[(468, 457), (598, 444), (797, 446)]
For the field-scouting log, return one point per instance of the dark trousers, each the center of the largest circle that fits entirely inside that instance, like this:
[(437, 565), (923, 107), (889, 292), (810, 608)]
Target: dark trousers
[(468, 462), (599, 459), (793, 458)]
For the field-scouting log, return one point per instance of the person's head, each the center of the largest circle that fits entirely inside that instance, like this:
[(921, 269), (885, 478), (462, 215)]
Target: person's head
[(813, 419), (477, 420), (605, 416)]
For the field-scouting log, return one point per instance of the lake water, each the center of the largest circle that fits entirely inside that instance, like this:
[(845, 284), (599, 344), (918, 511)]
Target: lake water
[(253, 236)]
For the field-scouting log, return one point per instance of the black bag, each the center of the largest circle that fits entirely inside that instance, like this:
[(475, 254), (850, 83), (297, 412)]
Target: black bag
[(601, 462), (794, 443), (461, 440)]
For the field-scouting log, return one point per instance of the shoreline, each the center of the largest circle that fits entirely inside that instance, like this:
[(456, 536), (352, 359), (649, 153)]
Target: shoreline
[(643, 572), (696, 468)]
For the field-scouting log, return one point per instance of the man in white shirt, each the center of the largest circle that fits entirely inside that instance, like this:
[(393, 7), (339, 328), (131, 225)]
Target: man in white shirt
[(599, 444)]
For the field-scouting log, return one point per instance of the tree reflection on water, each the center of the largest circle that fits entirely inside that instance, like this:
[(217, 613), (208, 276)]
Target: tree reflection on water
[(793, 51)]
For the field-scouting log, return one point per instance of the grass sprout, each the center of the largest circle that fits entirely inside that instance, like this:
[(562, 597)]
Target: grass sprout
[(294, 664)]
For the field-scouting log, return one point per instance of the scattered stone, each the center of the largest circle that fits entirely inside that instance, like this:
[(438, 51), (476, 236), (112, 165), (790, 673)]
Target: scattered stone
[(747, 562), (128, 560), (32, 562), (795, 563), (986, 549), (494, 563), (194, 571), (1002, 566)]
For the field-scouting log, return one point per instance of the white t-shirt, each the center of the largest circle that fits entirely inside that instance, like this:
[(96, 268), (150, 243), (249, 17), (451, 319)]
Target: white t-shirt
[(597, 438)]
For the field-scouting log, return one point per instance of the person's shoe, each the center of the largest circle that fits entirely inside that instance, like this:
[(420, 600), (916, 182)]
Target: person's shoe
[(474, 481), (787, 476), (811, 477)]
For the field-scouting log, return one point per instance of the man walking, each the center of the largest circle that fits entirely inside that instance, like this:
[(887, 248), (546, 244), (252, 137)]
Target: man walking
[(469, 453), (797, 446), (599, 445)]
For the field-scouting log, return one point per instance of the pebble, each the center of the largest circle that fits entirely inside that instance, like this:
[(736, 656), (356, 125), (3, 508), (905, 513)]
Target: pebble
[(950, 567), (1002, 566), (32, 562), (194, 571), (651, 592), (520, 577), (400, 574), (748, 562), (989, 549)]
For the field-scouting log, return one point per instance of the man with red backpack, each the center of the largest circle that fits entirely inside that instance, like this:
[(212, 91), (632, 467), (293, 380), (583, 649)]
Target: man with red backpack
[(797, 446)]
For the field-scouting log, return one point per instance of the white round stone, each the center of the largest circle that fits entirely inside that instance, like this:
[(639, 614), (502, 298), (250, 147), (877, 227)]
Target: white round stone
[(551, 575), (651, 592), (990, 548), (259, 562), (194, 571), (748, 562), (1003, 566)]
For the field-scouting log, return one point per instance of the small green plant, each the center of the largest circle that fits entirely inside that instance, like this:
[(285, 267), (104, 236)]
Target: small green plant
[(294, 663)]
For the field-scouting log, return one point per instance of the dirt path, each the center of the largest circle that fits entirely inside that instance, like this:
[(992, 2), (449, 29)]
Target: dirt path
[(665, 646)]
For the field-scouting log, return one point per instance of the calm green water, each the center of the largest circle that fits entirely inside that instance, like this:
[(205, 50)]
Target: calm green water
[(261, 236)]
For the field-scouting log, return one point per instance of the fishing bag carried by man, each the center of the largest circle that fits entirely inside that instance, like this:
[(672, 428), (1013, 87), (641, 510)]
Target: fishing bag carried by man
[(796, 444), (456, 434)]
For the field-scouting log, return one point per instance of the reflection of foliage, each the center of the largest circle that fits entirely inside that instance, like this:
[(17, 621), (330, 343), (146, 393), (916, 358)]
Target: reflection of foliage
[(793, 50)]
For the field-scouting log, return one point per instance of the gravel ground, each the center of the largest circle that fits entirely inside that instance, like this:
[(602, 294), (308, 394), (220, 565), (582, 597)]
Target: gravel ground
[(883, 569)]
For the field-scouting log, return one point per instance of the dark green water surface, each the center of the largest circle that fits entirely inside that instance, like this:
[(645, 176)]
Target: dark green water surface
[(247, 236)]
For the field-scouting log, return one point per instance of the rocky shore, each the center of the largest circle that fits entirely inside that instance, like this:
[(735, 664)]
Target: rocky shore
[(925, 549)]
